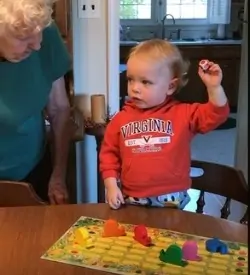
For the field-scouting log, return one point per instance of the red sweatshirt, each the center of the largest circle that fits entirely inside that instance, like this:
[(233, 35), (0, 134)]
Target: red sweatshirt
[(149, 150)]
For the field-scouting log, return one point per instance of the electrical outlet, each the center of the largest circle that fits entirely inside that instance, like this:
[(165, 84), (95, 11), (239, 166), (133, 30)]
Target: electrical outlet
[(89, 9)]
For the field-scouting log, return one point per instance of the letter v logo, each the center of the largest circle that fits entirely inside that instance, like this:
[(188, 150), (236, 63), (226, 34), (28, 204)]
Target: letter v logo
[(146, 138)]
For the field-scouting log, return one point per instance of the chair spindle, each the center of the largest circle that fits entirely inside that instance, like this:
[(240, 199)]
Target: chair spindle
[(244, 220), (225, 210), (200, 202)]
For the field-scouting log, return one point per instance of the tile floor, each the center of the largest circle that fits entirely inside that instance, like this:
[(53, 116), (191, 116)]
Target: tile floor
[(216, 146)]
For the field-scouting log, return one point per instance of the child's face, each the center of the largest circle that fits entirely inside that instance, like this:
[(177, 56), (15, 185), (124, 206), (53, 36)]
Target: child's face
[(149, 83)]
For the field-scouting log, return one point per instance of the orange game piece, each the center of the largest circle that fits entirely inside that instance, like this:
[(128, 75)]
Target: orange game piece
[(113, 229)]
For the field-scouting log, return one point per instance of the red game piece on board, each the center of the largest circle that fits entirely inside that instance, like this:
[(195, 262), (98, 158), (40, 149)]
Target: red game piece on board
[(113, 229), (141, 235)]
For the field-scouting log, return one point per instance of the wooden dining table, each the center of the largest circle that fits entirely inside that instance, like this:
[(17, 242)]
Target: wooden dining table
[(26, 233)]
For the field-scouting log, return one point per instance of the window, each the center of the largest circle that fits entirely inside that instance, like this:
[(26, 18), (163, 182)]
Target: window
[(138, 9), (190, 12), (187, 9)]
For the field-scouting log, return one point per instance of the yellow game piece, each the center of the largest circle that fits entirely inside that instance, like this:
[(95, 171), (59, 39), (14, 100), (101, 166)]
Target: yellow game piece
[(82, 236)]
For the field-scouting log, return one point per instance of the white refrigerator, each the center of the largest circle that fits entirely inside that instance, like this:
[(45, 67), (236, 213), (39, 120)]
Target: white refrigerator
[(241, 148)]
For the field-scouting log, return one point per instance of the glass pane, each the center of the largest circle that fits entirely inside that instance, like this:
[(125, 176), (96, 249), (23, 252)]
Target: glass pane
[(188, 2), (174, 10), (173, 2), (135, 9), (200, 11), (187, 11), (202, 2), (128, 11), (144, 12), (135, 2)]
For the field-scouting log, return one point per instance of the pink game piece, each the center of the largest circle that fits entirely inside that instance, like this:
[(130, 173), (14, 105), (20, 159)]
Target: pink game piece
[(204, 64), (190, 251)]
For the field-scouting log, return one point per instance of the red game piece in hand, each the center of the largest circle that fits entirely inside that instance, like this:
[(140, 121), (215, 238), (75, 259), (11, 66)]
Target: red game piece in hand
[(141, 235), (204, 65)]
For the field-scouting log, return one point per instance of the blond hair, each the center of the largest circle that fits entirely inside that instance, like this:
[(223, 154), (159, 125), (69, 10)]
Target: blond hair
[(166, 53), (24, 17)]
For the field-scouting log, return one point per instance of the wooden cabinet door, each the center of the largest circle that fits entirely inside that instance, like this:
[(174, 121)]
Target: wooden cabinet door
[(62, 16), (230, 81), (195, 90)]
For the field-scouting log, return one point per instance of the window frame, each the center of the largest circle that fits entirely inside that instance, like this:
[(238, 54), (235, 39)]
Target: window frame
[(157, 13), (143, 22)]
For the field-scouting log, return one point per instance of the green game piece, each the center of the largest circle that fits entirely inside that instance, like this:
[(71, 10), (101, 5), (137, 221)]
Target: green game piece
[(172, 255)]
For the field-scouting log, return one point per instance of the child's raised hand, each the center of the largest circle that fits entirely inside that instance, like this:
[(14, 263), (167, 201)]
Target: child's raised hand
[(114, 197), (210, 73)]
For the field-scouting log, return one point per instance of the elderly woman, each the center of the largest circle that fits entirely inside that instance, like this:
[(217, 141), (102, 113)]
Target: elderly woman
[(33, 62)]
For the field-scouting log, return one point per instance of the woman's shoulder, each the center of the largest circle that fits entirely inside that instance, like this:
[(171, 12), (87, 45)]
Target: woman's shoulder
[(51, 35), (53, 53)]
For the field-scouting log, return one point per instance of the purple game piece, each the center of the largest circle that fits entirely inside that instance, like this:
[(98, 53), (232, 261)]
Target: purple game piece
[(190, 251)]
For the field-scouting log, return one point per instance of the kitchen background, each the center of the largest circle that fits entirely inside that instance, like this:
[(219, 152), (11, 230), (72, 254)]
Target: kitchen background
[(98, 55), (224, 11)]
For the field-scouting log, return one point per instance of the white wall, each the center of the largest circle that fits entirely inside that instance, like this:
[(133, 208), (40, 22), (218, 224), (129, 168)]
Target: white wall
[(241, 150), (96, 70)]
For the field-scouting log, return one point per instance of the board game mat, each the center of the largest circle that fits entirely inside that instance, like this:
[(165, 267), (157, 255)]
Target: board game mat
[(123, 255)]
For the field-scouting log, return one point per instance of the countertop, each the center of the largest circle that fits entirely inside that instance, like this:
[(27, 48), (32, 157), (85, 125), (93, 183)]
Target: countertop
[(198, 42)]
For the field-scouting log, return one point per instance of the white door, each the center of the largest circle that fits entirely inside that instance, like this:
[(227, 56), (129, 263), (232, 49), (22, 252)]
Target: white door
[(241, 149)]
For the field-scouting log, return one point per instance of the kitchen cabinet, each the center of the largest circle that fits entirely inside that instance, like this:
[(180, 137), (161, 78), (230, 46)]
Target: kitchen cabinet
[(62, 16), (227, 56), (230, 81)]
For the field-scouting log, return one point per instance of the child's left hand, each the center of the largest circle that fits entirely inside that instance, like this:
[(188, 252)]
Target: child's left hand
[(212, 77)]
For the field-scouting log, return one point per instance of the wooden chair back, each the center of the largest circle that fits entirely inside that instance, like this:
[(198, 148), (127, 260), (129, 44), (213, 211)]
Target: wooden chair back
[(222, 180), (18, 194)]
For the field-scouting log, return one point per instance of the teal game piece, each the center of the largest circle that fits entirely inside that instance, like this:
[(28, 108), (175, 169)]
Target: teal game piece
[(234, 246), (172, 255)]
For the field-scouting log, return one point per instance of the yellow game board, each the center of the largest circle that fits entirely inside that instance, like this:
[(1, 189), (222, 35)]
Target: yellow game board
[(123, 255)]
